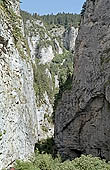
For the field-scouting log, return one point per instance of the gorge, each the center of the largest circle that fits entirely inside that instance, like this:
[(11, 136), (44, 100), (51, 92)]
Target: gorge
[(36, 60), (54, 82)]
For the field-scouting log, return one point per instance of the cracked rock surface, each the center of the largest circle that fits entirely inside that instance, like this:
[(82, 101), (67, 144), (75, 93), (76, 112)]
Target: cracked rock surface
[(82, 120), (18, 118)]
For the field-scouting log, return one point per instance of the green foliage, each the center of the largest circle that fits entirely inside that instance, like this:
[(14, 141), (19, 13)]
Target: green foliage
[(46, 162), (44, 43), (64, 19), (0, 135), (63, 86), (44, 128), (20, 165), (4, 132), (1, 2), (26, 16), (62, 64), (45, 146), (51, 21), (42, 83), (14, 24), (13, 19), (48, 117), (33, 28)]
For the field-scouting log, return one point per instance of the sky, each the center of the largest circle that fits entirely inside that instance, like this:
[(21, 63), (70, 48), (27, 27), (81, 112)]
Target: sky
[(52, 6)]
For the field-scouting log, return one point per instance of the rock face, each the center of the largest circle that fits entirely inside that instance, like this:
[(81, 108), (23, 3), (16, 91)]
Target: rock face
[(68, 40), (49, 58), (32, 61), (45, 124), (82, 120), (18, 117), (46, 54), (41, 50)]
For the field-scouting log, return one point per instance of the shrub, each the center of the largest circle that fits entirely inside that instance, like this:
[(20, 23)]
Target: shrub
[(42, 83), (46, 162), (45, 146)]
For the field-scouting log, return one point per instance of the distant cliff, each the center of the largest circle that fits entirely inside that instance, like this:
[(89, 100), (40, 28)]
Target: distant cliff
[(52, 50), (82, 119)]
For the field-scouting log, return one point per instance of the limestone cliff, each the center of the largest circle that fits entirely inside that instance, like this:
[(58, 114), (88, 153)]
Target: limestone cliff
[(68, 40), (52, 62), (18, 118), (82, 120)]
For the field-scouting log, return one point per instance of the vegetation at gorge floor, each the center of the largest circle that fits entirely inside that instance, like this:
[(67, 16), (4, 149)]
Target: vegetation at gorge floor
[(46, 162), (44, 159)]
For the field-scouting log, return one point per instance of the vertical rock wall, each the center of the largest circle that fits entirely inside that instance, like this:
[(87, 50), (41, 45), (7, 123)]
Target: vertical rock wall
[(18, 119), (68, 40), (82, 120)]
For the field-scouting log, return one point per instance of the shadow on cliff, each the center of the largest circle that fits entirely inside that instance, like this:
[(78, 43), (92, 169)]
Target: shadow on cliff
[(67, 85), (45, 146)]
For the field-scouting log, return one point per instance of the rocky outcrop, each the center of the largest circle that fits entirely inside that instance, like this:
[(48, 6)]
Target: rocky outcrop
[(82, 120), (45, 54), (18, 118), (69, 38), (39, 41)]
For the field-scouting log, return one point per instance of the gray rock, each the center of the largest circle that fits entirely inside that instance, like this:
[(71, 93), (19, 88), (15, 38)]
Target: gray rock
[(69, 38), (82, 120), (58, 49), (44, 113), (18, 114), (45, 53)]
